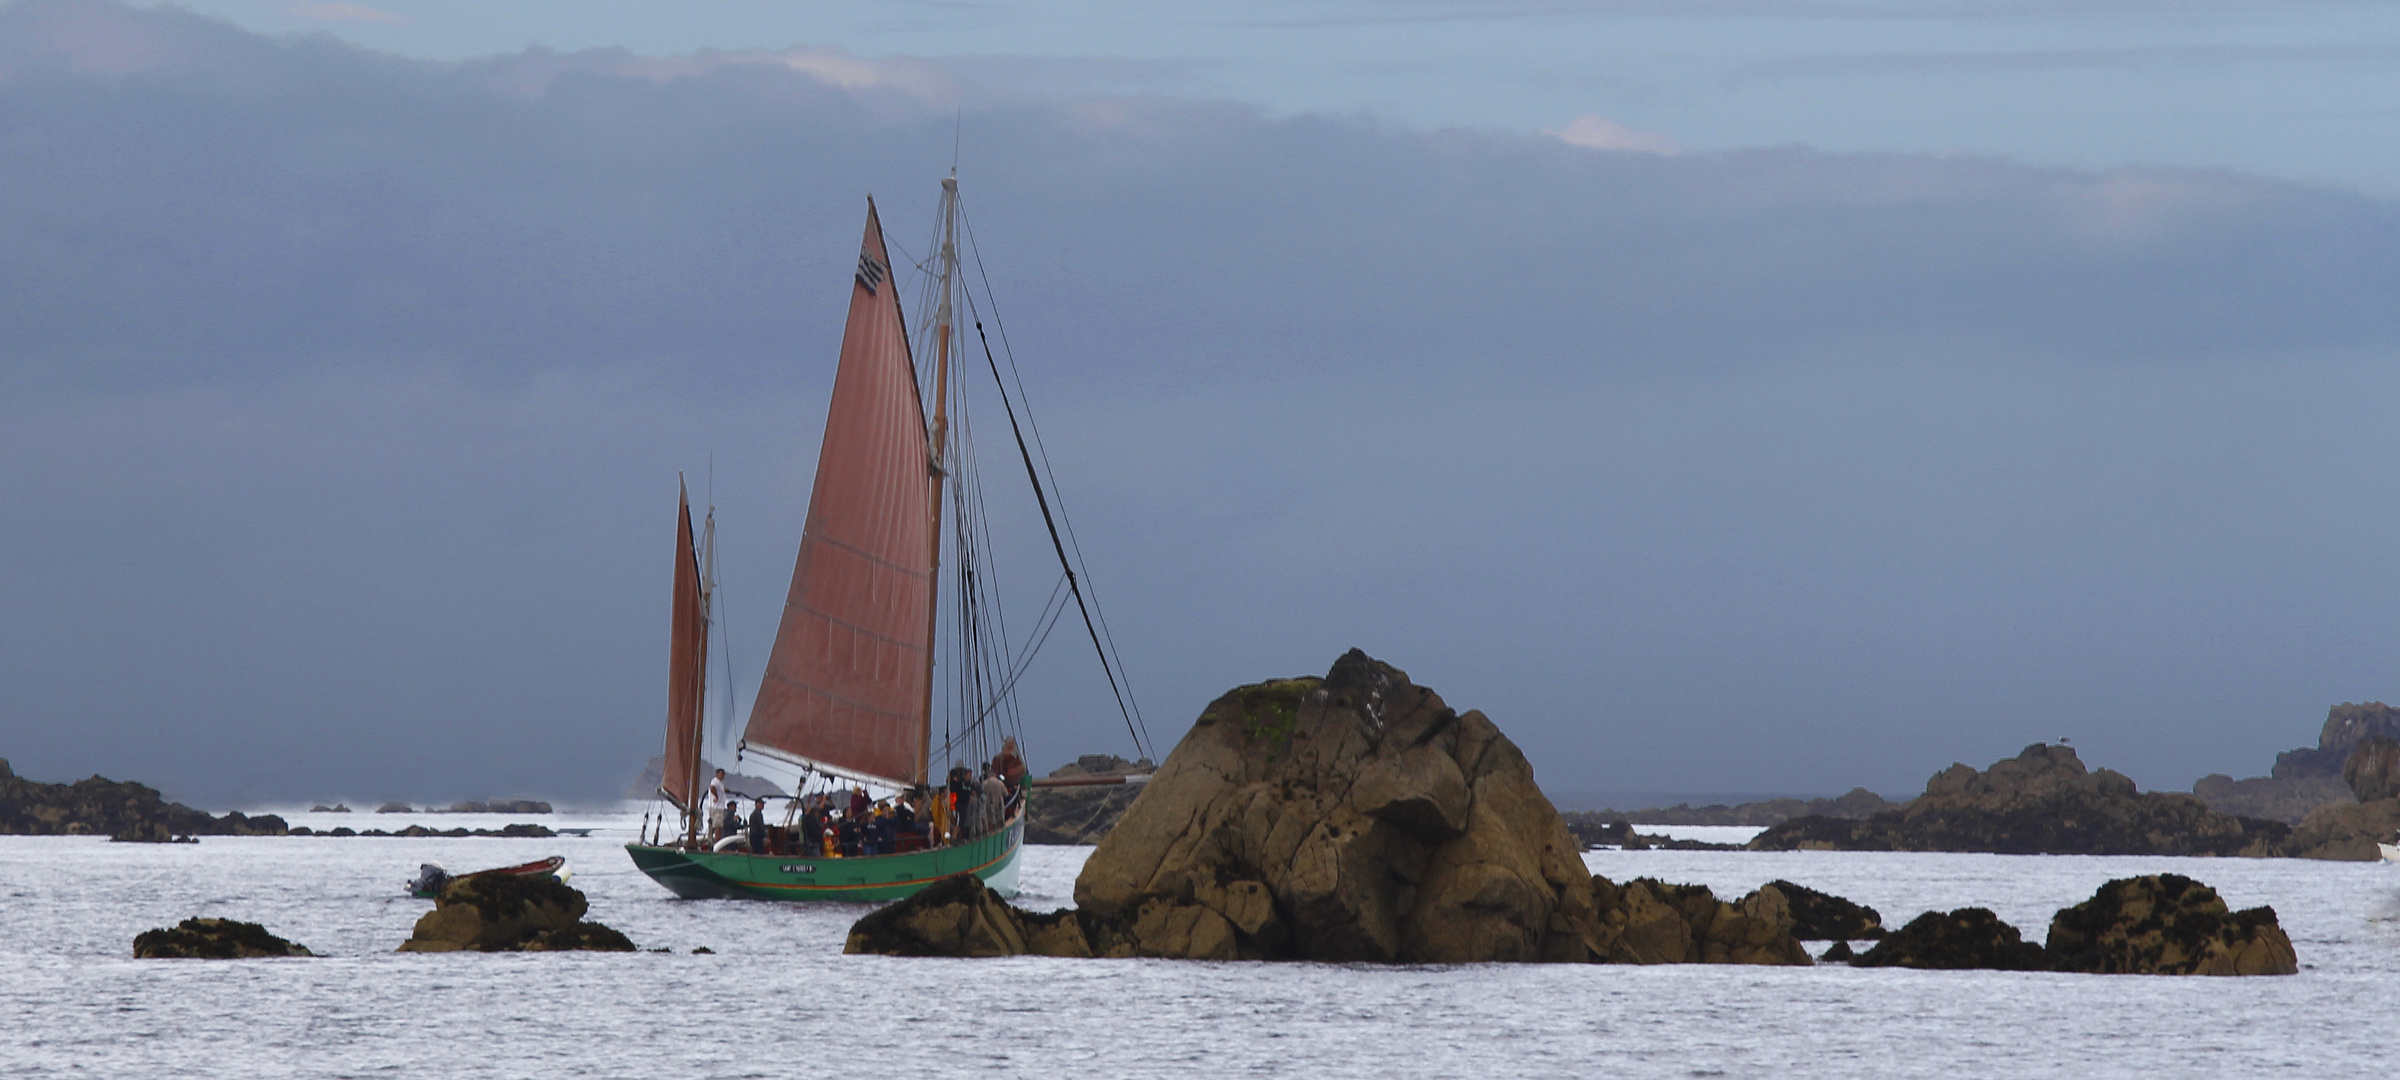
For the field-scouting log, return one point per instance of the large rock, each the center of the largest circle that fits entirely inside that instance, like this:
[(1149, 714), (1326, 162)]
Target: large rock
[(2041, 802), (213, 939), (960, 916), (510, 913), (1956, 940), (1082, 815), (98, 806), (2167, 924), (1353, 817)]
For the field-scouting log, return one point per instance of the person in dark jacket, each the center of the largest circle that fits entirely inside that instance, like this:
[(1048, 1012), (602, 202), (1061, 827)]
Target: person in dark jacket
[(758, 826)]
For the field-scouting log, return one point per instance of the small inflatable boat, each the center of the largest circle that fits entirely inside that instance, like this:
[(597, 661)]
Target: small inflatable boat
[(431, 877)]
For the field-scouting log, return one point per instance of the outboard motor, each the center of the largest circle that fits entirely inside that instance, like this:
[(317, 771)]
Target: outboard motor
[(429, 880)]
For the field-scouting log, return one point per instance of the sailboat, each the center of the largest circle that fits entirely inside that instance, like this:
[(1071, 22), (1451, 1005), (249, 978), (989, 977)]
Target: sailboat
[(848, 691)]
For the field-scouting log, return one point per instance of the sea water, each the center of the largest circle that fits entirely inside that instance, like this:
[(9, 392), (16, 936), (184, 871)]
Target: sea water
[(777, 998)]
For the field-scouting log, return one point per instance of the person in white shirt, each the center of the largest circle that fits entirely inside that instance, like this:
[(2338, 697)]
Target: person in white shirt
[(716, 791)]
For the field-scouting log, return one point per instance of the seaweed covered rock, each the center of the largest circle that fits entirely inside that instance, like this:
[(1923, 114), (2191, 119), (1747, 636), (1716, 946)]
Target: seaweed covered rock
[(1819, 916), (510, 913), (1956, 940), (1353, 817), (2041, 802), (98, 806), (213, 939), (2168, 924), (961, 916)]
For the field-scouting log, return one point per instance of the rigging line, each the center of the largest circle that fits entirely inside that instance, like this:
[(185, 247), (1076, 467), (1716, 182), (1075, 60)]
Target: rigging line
[(1056, 544), (977, 723), (1073, 540)]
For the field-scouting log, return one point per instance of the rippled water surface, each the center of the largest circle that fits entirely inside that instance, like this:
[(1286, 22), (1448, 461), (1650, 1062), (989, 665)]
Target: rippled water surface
[(778, 998)]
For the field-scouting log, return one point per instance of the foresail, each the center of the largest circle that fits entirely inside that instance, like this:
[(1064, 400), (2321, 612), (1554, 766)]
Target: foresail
[(845, 687), (687, 665)]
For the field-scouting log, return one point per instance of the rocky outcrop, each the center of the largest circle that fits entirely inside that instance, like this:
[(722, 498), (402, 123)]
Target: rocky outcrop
[(336, 808), (520, 830), (749, 787), (510, 913), (2351, 831), (2347, 832), (1818, 916), (1590, 831), (2372, 771), (1645, 922), (1858, 803), (1651, 922), (1349, 818), (123, 810), (2167, 924), (1352, 817), (1082, 815), (499, 806), (2346, 725), (2288, 799), (1956, 940), (213, 939), (2041, 802)]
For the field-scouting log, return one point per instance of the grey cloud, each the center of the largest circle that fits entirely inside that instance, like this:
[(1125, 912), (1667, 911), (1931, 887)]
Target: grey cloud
[(2130, 58), (345, 397)]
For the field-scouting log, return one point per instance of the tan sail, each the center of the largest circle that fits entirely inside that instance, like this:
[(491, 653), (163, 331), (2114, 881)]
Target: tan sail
[(846, 686), (687, 666)]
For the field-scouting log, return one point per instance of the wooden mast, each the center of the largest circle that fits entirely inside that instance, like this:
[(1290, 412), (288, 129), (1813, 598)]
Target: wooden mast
[(941, 439)]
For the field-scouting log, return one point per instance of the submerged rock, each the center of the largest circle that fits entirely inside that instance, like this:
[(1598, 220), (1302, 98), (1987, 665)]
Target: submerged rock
[(1956, 940), (1818, 916), (2041, 802), (213, 939), (961, 916), (2167, 924), (510, 913)]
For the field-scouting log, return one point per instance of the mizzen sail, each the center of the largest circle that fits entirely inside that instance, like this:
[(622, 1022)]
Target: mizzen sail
[(845, 686), (687, 666)]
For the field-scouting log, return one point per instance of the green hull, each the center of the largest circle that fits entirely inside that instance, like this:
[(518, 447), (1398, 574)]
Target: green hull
[(707, 875)]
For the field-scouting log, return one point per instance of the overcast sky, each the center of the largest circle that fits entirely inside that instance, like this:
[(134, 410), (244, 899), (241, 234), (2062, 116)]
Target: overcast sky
[(1739, 418)]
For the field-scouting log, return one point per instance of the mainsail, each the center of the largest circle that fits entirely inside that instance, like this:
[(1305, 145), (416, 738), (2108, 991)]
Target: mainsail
[(687, 666), (846, 687)]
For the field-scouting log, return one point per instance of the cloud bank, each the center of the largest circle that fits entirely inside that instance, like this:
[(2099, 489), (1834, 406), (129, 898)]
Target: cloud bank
[(345, 397)]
